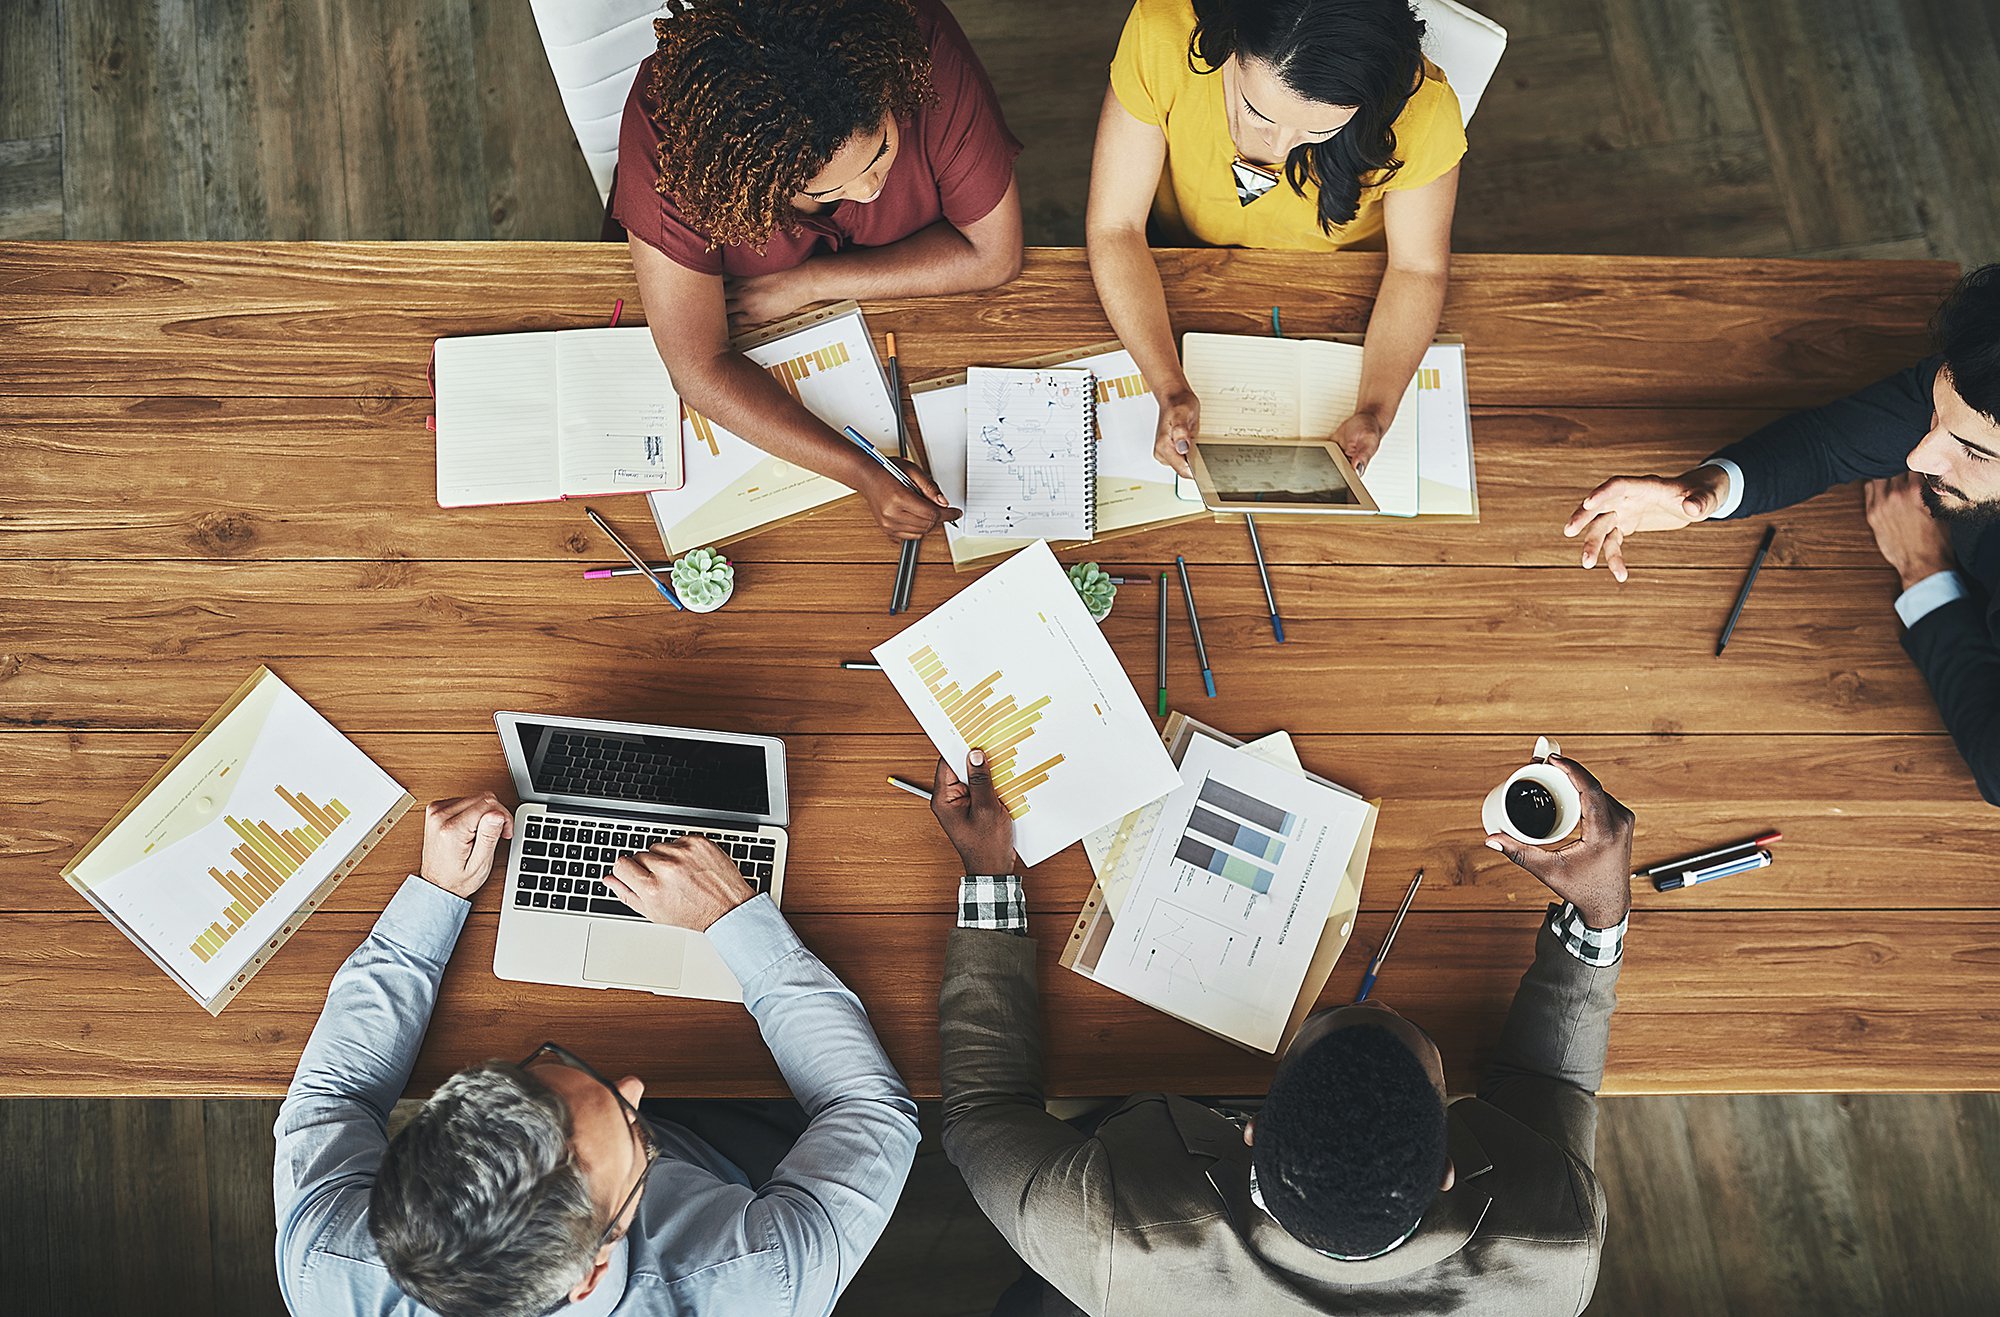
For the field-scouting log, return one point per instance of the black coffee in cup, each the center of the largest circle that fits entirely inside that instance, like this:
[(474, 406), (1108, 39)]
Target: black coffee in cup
[(1531, 808)]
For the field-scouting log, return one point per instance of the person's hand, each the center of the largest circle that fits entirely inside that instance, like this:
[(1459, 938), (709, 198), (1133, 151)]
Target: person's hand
[(974, 818), (684, 882), (1179, 423), (460, 837), (901, 514), (1627, 505), (1906, 533), (761, 298), (1594, 872), (1359, 436)]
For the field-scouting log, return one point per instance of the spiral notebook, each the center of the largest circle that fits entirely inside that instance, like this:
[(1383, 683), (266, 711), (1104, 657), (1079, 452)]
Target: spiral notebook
[(1030, 453)]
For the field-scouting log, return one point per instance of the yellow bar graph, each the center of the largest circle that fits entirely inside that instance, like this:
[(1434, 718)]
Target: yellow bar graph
[(997, 725), (268, 856), (1123, 386)]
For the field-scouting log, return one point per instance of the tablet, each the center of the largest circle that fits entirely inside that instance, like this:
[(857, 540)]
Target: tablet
[(1276, 475)]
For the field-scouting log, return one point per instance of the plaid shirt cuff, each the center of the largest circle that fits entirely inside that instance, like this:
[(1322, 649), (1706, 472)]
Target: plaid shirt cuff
[(992, 901), (1593, 946)]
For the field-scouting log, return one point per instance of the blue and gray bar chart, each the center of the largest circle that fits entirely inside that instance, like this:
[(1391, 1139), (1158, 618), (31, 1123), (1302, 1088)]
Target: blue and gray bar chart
[(1235, 836)]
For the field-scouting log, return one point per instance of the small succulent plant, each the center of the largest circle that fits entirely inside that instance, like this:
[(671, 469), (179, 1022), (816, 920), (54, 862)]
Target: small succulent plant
[(1095, 587), (703, 579)]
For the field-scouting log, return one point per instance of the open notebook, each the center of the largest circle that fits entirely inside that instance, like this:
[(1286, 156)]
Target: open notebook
[(526, 418), (1134, 491), (1290, 388)]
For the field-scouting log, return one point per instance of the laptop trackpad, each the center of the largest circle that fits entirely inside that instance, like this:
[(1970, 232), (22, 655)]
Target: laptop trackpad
[(634, 955)]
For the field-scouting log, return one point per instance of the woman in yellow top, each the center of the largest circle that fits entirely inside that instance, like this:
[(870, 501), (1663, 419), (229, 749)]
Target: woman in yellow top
[(1303, 125)]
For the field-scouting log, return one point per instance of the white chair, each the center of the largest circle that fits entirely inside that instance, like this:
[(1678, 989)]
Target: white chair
[(595, 48), (1467, 46)]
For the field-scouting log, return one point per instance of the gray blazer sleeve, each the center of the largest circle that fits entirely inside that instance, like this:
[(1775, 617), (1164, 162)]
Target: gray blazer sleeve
[(1045, 1186), (1866, 434), (1551, 1057)]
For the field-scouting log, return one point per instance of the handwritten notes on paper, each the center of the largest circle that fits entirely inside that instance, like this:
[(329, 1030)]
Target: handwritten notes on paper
[(1030, 464)]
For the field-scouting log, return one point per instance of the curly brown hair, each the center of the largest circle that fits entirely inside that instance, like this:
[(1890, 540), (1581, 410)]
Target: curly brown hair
[(751, 98)]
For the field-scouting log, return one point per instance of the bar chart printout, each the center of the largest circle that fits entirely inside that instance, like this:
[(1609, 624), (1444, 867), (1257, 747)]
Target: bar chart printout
[(268, 856), (1236, 836), (1013, 666), (1000, 726), (211, 866)]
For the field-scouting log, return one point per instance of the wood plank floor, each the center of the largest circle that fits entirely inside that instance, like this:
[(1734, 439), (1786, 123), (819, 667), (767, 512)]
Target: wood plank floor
[(1667, 127)]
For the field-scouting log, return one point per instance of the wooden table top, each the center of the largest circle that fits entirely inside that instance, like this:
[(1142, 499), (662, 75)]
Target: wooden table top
[(215, 456)]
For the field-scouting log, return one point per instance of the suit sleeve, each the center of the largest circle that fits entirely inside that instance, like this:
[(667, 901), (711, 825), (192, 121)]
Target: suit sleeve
[(1045, 1186), (1551, 1057), (1859, 437), (1954, 650)]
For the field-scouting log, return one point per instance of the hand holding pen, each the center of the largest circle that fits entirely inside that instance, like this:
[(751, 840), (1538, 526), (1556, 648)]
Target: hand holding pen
[(906, 502)]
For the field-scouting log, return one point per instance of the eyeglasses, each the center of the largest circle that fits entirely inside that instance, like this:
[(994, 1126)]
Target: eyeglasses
[(650, 1151)]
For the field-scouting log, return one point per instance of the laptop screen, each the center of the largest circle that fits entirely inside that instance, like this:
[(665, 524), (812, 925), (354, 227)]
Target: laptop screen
[(644, 769)]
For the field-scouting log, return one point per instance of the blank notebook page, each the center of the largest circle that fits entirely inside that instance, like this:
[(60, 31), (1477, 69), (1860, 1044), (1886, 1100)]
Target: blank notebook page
[(496, 420)]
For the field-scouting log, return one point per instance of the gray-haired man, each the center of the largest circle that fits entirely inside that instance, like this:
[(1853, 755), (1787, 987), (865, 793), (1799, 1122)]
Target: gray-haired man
[(539, 1187)]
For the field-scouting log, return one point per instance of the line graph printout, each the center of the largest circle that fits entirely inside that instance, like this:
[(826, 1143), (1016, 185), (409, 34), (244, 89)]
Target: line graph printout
[(1228, 906), (1030, 459), (1014, 665), (213, 863)]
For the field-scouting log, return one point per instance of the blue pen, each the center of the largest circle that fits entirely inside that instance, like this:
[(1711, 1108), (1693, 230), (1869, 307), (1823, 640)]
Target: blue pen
[(646, 570), (882, 461), (1194, 625), (1375, 965), (1723, 869)]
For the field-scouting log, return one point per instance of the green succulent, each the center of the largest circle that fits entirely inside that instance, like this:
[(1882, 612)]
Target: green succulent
[(1094, 586), (703, 577)]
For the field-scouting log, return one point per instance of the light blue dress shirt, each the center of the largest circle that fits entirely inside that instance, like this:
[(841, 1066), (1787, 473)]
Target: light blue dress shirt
[(704, 1240), (1927, 595)]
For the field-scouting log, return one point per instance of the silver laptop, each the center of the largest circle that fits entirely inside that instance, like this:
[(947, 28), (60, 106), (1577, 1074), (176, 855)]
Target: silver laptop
[(592, 791)]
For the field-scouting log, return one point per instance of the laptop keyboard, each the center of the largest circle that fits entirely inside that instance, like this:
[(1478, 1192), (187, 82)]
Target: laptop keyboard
[(564, 860), (612, 767)]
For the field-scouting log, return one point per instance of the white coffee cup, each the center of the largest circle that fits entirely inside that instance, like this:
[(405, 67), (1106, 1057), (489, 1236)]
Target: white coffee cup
[(1568, 802)]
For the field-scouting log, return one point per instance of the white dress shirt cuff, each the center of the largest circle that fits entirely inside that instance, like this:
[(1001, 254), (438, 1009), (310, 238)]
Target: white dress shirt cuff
[(1928, 595), (1732, 493)]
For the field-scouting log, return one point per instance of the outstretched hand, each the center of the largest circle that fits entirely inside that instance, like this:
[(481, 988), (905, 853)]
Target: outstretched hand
[(1627, 505), (1594, 872), (973, 816)]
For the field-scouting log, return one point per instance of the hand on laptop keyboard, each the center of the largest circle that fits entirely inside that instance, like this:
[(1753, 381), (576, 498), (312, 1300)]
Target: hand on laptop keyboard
[(686, 882), (566, 861)]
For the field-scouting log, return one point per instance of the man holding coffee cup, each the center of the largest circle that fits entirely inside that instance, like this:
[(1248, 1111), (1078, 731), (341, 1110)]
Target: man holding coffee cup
[(1355, 1183), (1927, 443)]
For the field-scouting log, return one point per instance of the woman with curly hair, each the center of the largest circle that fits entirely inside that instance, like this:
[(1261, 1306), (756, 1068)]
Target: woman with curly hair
[(1302, 125), (776, 153)]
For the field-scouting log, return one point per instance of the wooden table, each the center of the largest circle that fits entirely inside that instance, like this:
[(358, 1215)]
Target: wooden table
[(215, 456)]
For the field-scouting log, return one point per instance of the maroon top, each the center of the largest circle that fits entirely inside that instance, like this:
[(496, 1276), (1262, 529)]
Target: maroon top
[(955, 162)]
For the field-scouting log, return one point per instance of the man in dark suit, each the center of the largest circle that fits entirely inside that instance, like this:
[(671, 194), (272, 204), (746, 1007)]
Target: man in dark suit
[(1356, 1188), (1927, 442)]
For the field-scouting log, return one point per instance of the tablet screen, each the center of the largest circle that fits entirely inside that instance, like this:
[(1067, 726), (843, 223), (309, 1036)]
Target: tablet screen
[(1275, 473)]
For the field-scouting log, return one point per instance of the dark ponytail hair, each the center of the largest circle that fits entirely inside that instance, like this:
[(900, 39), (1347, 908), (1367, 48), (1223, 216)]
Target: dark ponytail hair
[(1363, 53)]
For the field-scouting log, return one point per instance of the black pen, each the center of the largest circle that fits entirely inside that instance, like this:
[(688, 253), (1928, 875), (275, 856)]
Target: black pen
[(906, 561), (1743, 595), (1194, 625), (1163, 644)]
